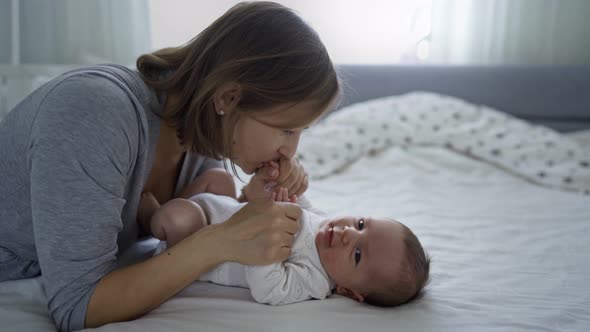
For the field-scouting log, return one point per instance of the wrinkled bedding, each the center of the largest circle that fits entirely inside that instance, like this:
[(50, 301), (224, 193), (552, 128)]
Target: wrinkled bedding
[(422, 119)]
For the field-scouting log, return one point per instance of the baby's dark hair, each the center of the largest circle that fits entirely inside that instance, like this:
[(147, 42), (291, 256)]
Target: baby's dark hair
[(412, 276)]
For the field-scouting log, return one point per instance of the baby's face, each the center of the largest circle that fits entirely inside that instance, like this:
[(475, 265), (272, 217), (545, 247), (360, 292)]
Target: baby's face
[(357, 252)]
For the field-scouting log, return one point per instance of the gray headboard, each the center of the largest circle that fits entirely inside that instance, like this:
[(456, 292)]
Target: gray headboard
[(554, 96)]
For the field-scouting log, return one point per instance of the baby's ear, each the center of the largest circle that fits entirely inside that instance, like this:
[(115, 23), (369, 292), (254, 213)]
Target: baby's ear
[(350, 293)]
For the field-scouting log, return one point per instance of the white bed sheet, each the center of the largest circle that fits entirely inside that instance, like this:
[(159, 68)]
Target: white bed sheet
[(507, 255)]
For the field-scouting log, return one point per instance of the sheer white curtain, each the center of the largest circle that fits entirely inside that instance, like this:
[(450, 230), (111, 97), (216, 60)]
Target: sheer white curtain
[(83, 32), (510, 31), (40, 39)]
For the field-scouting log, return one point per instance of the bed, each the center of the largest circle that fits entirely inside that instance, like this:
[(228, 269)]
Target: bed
[(510, 248)]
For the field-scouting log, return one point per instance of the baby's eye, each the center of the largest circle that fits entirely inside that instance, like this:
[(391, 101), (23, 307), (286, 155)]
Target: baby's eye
[(361, 224), (289, 132), (357, 256)]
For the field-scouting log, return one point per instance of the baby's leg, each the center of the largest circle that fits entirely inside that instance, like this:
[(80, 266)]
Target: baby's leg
[(215, 181), (176, 220)]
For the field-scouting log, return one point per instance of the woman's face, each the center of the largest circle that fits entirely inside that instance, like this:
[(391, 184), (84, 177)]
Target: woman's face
[(268, 136)]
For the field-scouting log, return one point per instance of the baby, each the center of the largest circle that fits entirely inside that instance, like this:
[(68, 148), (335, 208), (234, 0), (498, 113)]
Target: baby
[(374, 260), (213, 180)]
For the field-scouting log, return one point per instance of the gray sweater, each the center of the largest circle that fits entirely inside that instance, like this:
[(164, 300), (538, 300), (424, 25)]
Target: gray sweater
[(74, 157)]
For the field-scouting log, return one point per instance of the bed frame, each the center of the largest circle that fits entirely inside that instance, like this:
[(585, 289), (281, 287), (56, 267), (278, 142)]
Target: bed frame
[(554, 96)]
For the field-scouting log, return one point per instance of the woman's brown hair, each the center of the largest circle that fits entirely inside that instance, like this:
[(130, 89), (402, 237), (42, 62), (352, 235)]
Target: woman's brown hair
[(274, 56)]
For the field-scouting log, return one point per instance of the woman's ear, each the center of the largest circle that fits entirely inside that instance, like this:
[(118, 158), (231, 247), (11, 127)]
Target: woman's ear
[(226, 98), (350, 293)]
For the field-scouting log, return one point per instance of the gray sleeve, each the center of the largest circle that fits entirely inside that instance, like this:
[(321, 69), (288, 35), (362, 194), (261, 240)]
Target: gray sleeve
[(82, 146)]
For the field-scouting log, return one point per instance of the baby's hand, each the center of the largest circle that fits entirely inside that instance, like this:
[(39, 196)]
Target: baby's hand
[(282, 195)]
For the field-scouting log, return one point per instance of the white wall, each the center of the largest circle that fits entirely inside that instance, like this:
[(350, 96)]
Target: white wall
[(368, 31)]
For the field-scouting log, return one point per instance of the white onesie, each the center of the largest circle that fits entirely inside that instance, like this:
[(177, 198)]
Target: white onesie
[(301, 277)]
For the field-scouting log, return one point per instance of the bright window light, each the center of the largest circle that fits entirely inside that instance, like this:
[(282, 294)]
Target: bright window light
[(354, 32)]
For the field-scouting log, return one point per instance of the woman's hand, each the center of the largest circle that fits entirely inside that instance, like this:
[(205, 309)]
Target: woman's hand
[(261, 233)]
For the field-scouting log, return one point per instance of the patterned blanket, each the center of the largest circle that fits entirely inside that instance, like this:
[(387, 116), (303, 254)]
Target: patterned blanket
[(536, 153)]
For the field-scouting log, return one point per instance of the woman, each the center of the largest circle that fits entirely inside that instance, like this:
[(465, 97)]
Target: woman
[(78, 152)]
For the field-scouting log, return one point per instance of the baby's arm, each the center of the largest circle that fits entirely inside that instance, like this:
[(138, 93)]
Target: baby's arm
[(286, 282)]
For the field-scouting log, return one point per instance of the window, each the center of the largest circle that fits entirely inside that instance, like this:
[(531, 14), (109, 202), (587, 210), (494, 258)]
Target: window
[(354, 32)]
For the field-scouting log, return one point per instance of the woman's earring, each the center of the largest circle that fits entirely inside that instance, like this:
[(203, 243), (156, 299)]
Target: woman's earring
[(220, 112)]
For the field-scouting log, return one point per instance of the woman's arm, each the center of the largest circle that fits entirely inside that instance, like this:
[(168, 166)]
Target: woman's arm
[(130, 292), (261, 233), (82, 143)]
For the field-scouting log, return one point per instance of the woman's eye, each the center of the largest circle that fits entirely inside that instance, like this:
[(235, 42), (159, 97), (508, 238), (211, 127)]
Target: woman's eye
[(361, 224), (357, 256), (289, 132)]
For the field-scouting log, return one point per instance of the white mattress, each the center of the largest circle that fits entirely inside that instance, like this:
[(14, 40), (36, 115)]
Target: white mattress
[(508, 255)]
